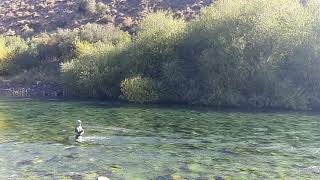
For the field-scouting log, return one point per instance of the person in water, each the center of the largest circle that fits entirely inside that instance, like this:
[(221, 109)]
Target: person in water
[(79, 131)]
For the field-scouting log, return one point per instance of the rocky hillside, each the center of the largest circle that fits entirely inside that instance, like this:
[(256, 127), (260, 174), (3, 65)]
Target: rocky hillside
[(29, 17)]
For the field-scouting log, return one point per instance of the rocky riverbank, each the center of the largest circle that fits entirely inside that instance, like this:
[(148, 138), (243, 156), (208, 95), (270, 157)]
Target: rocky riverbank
[(37, 89)]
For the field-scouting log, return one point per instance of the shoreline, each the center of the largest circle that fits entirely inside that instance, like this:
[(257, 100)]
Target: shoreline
[(117, 103), (53, 91)]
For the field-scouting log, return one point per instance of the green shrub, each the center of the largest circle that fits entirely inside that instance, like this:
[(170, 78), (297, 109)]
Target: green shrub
[(87, 6), (101, 9), (10, 48), (157, 38), (233, 42), (96, 74), (179, 82), (83, 48), (5, 56), (107, 34), (255, 53), (62, 44), (57, 45), (98, 63), (140, 90)]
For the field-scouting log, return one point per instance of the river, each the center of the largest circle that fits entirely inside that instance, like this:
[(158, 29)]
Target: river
[(149, 142)]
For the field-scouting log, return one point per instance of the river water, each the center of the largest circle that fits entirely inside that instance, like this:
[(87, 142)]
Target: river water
[(148, 142)]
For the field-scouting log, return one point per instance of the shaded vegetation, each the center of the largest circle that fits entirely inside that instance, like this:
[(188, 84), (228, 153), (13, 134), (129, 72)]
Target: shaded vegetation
[(235, 53)]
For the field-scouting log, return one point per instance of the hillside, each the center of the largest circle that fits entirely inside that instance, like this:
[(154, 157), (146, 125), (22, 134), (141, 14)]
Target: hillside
[(29, 17)]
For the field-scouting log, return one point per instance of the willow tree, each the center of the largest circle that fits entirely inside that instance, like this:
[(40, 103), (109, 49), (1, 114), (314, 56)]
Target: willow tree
[(240, 46), (154, 54)]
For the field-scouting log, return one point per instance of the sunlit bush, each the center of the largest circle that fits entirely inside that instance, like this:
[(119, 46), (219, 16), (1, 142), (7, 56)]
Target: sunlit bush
[(10, 48), (257, 53), (141, 90), (234, 41), (96, 74), (108, 34), (157, 38)]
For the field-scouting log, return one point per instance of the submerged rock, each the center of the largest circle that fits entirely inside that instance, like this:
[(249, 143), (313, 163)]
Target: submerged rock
[(184, 168), (104, 172), (164, 178), (195, 167), (37, 160), (74, 176), (90, 176), (71, 156), (169, 171), (170, 177), (313, 169), (65, 178), (218, 178), (71, 148), (116, 169), (24, 163), (176, 177), (230, 153), (54, 159)]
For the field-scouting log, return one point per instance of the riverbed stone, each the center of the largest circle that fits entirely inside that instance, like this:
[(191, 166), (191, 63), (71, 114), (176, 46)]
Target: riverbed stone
[(229, 152), (201, 178), (218, 178), (24, 163), (71, 156), (53, 159), (169, 171), (176, 177), (75, 176), (90, 176), (116, 169), (164, 178), (184, 168), (313, 169), (195, 167), (37, 160), (65, 178), (71, 148), (104, 172)]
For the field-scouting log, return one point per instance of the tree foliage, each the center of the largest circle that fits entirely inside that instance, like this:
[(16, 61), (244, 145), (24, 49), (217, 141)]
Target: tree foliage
[(255, 53), (141, 90)]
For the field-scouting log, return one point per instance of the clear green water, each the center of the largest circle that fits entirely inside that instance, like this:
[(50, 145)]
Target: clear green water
[(128, 142)]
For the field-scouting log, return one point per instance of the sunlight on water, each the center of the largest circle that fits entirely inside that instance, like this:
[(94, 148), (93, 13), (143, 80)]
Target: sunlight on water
[(130, 142)]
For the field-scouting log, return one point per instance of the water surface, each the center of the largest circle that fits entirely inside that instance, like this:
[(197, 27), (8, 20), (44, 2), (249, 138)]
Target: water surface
[(131, 142)]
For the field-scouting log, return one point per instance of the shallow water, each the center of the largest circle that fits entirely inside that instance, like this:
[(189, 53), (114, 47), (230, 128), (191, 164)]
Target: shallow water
[(130, 142)]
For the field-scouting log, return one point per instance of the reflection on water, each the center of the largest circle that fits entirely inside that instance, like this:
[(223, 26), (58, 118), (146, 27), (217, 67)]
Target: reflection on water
[(126, 142)]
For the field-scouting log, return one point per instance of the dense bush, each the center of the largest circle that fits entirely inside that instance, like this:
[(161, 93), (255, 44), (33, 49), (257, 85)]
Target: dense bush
[(107, 34), (141, 90), (99, 64), (255, 53), (240, 47), (157, 38), (11, 47), (96, 74), (155, 55)]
